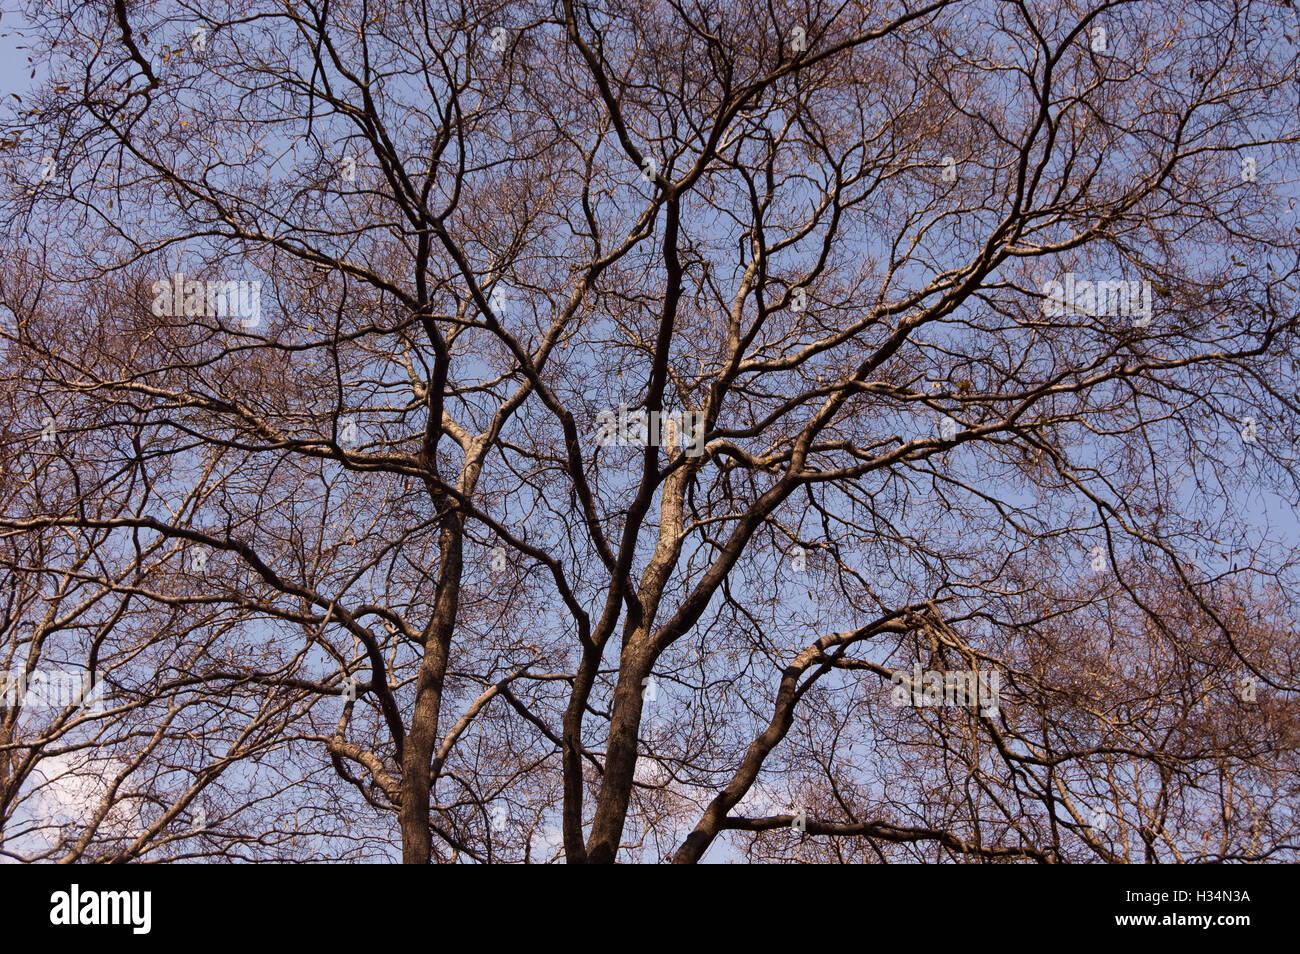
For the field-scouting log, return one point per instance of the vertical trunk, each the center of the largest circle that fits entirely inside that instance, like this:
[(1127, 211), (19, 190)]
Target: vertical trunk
[(417, 756), (620, 755), (417, 760), (575, 850)]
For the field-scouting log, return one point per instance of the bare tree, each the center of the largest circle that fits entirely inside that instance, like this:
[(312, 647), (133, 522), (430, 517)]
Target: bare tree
[(595, 432)]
